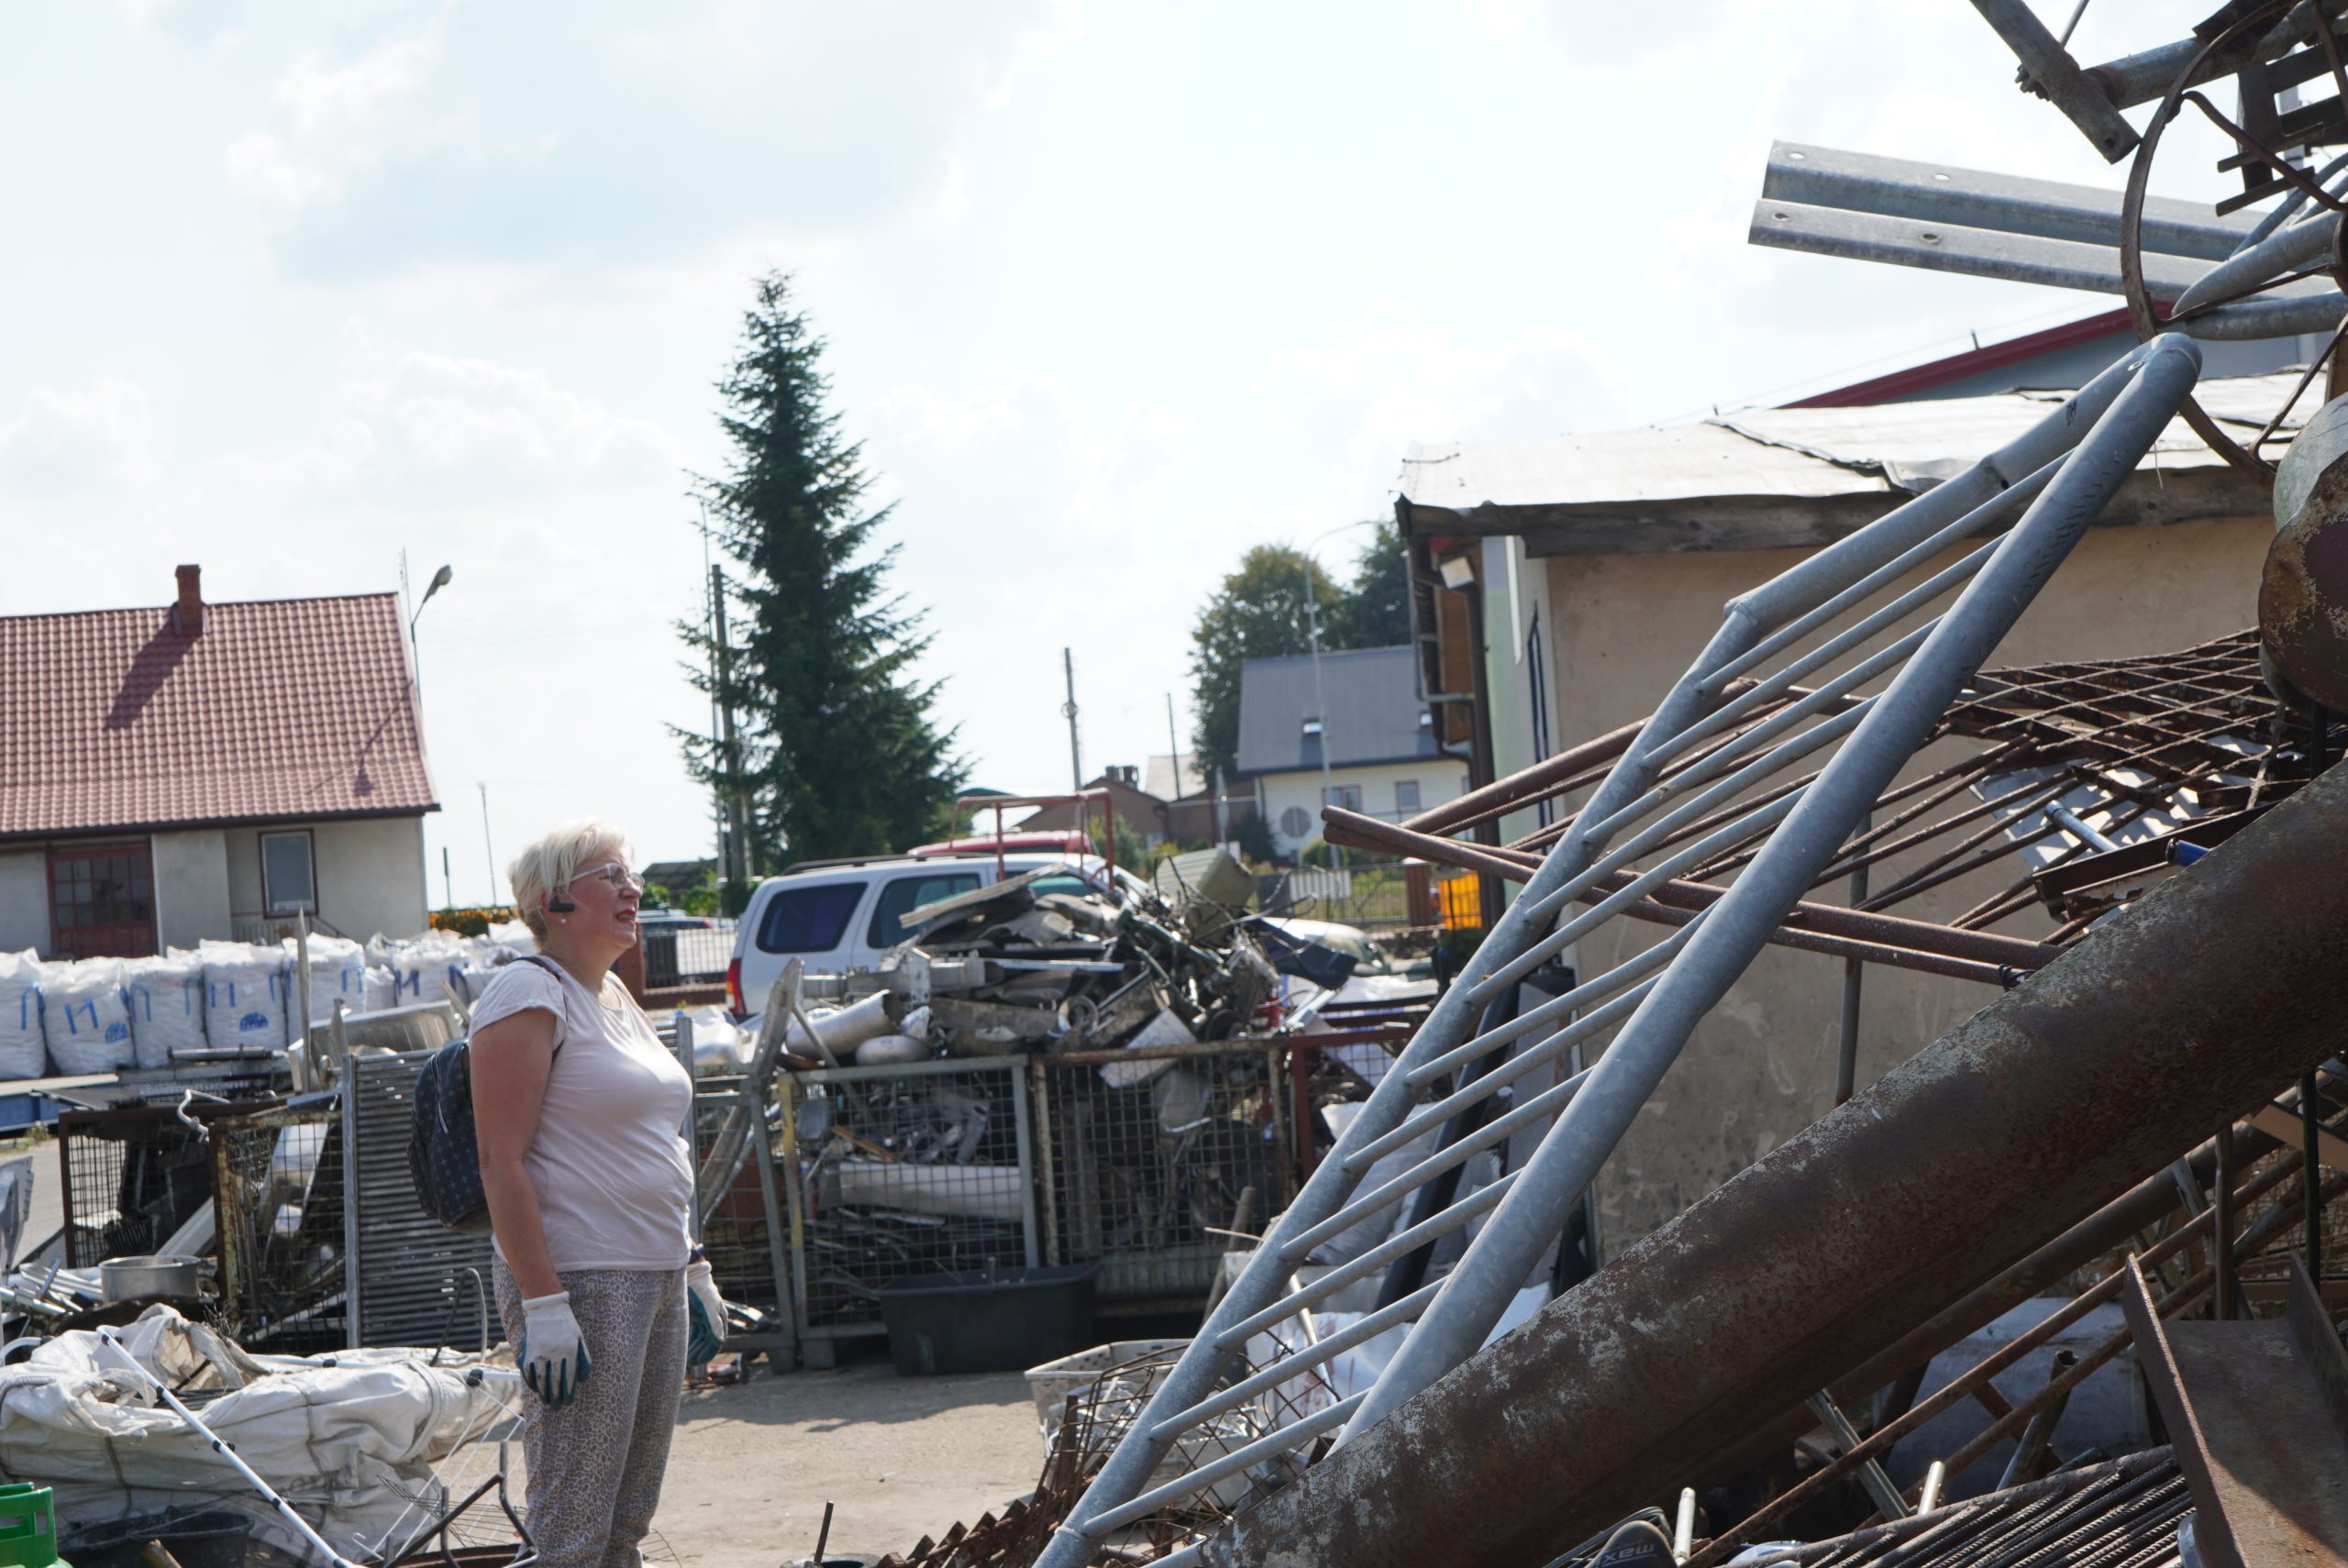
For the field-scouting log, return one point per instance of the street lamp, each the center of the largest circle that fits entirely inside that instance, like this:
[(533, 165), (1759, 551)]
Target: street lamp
[(440, 579)]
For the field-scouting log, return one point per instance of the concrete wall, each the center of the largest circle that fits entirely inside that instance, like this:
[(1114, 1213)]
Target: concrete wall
[(1439, 779), (191, 886), (1762, 1066), (370, 874), (24, 901)]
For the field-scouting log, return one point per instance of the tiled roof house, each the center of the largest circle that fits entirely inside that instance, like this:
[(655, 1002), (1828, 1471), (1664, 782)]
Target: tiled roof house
[(209, 770)]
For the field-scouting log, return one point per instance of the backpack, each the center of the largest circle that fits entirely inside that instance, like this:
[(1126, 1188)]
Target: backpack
[(442, 1158)]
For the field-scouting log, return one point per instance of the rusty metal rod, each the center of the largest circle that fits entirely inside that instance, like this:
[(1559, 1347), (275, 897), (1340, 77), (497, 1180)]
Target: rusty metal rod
[(1502, 795), (1983, 948)]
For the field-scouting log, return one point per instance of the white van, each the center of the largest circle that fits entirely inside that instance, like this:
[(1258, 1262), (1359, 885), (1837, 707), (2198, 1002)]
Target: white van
[(837, 915)]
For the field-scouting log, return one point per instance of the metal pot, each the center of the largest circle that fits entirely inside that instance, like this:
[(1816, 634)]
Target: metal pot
[(128, 1279)]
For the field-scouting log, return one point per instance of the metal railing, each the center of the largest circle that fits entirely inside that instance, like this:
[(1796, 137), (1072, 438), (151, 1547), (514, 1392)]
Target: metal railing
[(690, 955), (1697, 778)]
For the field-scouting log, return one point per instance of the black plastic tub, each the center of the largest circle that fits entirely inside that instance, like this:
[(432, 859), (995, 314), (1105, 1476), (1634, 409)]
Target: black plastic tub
[(1004, 1319)]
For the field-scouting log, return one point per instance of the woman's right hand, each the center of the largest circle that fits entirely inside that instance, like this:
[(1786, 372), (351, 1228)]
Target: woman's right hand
[(553, 1353)]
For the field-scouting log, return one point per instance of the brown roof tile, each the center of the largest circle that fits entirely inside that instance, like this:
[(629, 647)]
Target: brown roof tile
[(281, 709)]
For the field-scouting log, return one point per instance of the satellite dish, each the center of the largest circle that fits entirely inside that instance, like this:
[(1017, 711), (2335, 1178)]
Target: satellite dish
[(1294, 822)]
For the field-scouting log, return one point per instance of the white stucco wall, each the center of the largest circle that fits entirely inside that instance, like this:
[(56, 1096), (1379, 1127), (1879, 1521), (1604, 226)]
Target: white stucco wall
[(24, 901), (370, 874), (1439, 779), (190, 887)]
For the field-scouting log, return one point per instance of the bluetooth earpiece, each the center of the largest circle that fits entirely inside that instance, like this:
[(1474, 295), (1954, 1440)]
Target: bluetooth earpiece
[(558, 904)]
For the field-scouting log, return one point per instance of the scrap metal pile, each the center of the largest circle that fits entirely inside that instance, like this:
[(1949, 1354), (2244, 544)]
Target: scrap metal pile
[(1022, 966)]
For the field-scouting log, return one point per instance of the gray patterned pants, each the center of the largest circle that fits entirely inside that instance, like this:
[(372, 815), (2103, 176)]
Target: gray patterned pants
[(595, 1465)]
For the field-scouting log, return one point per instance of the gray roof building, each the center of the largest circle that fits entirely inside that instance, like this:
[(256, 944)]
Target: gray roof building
[(1374, 713)]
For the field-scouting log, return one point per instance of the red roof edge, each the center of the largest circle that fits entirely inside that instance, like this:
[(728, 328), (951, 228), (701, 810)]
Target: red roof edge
[(1900, 385)]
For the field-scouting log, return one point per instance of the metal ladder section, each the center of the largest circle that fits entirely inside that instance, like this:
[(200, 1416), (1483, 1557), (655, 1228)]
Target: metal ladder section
[(1682, 779)]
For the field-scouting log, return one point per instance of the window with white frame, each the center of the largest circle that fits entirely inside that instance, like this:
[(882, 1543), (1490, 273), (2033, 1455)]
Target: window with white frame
[(1344, 796), (289, 879), (1406, 797)]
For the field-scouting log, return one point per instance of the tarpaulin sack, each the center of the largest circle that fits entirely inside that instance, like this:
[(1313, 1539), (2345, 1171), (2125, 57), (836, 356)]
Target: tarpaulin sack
[(165, 997), (244, 1001), (83, 1017), (422, 967), (383, 988), (23, 1053)]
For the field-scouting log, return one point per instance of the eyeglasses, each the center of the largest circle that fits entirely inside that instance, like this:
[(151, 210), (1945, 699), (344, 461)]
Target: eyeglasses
[(618, 875)]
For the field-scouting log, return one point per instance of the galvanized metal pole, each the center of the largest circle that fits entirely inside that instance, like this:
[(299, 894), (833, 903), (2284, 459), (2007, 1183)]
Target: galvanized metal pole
[(2208, 993), (1498, 1261), (1068, 711)]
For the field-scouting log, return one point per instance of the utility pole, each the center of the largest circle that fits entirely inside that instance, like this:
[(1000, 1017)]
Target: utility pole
[(1068, 711), (447, 879), (489, 849), (1174, 752), (1320, 698), (737, 845)]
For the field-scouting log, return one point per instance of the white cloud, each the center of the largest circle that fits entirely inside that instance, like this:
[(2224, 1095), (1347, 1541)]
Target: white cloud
[(336, 122), (1373, 385), (438, 423), (70, 439)]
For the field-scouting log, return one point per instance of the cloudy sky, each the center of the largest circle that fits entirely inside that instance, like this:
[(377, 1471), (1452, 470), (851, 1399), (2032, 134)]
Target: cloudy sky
[(1112, 291)]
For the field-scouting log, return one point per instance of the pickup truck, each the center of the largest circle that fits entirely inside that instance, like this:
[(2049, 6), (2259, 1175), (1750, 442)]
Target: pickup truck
[(837, 915)]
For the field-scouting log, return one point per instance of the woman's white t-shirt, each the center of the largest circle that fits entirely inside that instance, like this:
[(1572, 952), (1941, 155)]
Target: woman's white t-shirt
[(613, 1181)]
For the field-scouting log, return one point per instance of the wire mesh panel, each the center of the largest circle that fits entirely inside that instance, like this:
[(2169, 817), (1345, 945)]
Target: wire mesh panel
[(742, 1234), (133, 1176), (901, 1172), (1150, 1159), (411, 1280), (278, 1198)]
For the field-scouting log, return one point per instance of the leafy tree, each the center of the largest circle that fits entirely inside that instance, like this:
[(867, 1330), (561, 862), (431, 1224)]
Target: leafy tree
[(1259, 613), (838, 751), (1375, 609)]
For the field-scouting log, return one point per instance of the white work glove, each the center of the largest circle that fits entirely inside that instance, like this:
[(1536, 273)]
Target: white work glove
[(704, 1314), (553, 1353)]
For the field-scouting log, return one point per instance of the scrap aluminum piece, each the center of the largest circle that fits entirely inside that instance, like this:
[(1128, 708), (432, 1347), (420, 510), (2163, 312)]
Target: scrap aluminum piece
[(1977, 198), (2209, 994)]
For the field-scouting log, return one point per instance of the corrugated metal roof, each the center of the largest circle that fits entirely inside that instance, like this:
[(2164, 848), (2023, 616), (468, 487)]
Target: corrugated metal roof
[(283, 709), (1787, 454), (1373, 712)]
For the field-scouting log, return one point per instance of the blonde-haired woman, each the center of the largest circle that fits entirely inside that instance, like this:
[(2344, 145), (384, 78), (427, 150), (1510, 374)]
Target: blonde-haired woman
[(577, 1107)]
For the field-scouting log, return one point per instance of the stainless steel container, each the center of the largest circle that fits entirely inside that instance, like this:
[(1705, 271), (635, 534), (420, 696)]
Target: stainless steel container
[(128, 1279)]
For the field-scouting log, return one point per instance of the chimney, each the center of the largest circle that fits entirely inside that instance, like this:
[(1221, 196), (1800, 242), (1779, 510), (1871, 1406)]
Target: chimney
[(188, 613)]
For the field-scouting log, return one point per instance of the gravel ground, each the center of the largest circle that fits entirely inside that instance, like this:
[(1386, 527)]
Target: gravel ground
[(900, 1457)]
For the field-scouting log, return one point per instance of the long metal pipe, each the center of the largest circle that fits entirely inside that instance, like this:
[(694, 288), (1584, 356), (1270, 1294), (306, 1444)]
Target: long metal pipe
[(2207, 995), (1738, 927)]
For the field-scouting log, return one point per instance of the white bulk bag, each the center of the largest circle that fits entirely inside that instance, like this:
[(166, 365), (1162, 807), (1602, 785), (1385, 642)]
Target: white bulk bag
[(166, 1000), (83, 1017), (337, 970), (23, 1054), (244, 1001), (383, 988), (420, 968)]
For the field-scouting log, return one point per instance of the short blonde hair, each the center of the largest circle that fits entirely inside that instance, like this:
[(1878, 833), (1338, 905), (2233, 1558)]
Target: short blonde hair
[(554, 863)]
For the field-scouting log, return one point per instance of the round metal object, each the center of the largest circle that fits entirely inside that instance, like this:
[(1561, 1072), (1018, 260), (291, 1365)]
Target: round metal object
[(125, 1279), (2303, 593)]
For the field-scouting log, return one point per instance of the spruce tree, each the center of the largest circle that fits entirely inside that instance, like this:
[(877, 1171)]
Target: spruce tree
[(839, 751)]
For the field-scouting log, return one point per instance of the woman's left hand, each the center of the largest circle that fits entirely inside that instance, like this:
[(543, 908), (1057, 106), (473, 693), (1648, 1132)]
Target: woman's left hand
[(705, 1313)]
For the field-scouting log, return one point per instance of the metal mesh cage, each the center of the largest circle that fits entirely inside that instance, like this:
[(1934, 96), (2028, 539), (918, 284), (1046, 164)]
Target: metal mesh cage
[(133, 1176), (1149, 1159), (741, 1236), (904, 1171), (278, 1192)]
